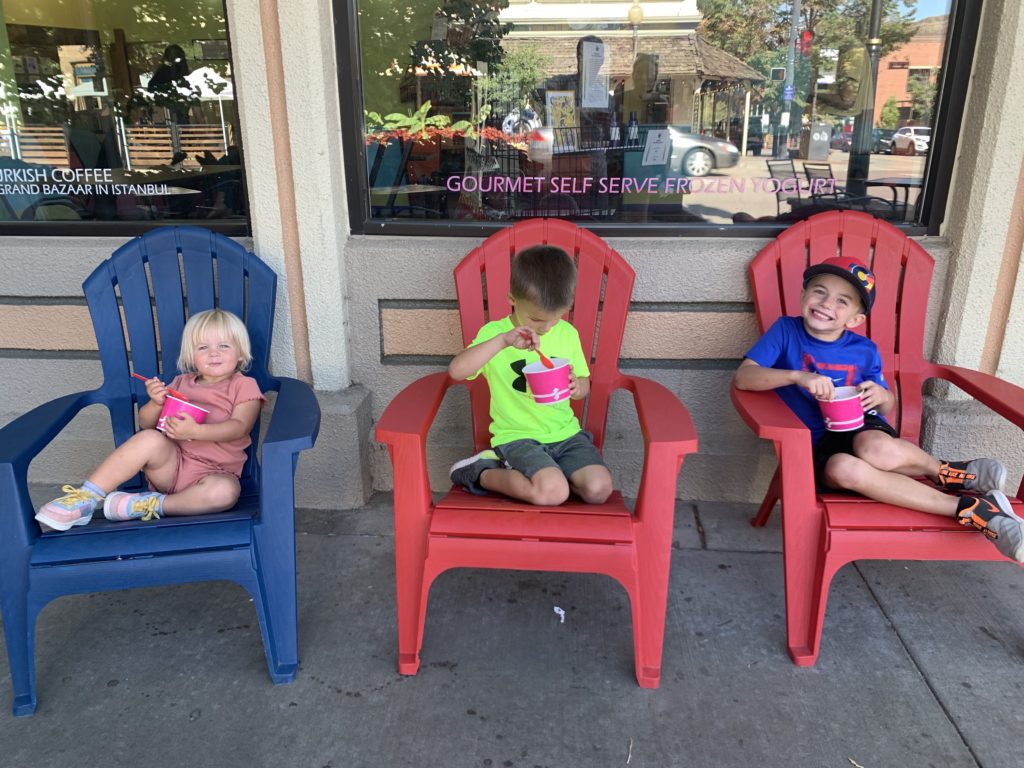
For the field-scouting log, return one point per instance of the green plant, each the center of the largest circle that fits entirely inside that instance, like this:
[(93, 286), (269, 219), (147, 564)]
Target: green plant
[(889, 117), (922, 99), (421, 126), (518, 75)]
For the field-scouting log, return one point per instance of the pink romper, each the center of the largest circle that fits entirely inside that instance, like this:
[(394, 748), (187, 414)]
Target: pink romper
[(199, 458)]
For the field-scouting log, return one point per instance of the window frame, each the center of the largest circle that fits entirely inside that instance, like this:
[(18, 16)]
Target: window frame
[(133, 228), (958, 58)]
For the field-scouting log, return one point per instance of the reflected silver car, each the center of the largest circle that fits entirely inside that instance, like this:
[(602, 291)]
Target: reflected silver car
[(696, 155), (691, 155)]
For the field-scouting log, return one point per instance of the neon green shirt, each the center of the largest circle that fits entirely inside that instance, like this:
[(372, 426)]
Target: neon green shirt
[(514, 414)]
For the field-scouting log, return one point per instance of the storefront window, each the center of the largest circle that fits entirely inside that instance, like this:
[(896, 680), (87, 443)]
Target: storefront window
[(118, 110), (700, 111)]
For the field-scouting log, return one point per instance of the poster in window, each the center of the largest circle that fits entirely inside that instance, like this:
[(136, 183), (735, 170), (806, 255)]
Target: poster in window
[(561, 114), (593, 77)]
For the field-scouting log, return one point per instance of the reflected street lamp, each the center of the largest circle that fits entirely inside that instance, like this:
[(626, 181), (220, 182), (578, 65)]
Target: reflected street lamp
[(860, 152), (636, 17)]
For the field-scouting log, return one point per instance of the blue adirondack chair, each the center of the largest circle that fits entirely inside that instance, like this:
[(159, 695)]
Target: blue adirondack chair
[(253, 544)]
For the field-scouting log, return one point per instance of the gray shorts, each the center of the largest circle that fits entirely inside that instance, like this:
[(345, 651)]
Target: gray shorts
[(530, 456)]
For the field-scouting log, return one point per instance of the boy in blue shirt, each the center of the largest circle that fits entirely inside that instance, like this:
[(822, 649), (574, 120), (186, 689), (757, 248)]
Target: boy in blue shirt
[(807, 357), (540, 453)]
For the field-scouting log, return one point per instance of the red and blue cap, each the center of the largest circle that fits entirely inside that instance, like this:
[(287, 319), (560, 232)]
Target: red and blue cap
[(851, 270)]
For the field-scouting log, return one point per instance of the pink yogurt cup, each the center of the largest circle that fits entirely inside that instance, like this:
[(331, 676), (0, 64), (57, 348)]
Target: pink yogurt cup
[(173, 406), (548, 385), (844, 413)]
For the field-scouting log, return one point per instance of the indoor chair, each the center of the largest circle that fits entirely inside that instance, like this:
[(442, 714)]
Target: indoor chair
[(467, 531), (139, 329), (822, 531)]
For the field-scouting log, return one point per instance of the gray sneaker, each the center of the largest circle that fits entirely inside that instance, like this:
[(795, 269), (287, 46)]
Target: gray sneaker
[(1007, 527), (989, 475), (979, 475), (467, 472)]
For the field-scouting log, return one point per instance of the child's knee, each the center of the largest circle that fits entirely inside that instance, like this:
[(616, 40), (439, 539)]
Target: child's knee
[(879, 450), (595, 486), (845, 471), (154, 446), (220, 492), (550, 488)]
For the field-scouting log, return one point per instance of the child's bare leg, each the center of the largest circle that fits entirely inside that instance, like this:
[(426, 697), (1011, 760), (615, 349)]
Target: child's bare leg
[(592, 483), (149, 451), (890, 454), (212, 493), (855, 474), (548, 487)]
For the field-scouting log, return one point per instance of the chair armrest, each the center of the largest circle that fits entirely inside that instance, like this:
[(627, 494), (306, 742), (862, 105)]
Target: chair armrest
[(1004, 398), (412, 411), (766, 414), (20, 442), (294, 427), (663, 419), (295, 423), (23, 439)]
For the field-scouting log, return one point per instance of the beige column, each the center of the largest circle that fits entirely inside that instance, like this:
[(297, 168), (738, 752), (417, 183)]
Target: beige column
[(311, 78), (251, 84), (287, 83), (983, 219)]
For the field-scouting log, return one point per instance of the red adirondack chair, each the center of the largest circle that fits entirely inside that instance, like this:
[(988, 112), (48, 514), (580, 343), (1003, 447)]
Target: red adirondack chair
[(822, 532), (470, 531)]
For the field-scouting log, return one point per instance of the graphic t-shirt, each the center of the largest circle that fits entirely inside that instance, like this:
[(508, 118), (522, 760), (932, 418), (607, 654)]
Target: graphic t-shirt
[(220, 400), (848, 361), (514, 414)]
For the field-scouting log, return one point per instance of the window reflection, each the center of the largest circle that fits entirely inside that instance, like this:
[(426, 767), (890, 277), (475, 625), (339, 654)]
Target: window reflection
[(694, 111), (118, 110)]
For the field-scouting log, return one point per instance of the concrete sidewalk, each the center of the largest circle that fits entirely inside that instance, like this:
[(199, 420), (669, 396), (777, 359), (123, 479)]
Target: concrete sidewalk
[(922, 664)]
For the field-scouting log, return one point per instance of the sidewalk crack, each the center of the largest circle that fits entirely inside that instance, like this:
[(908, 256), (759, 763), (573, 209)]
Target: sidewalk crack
[(700, 527)]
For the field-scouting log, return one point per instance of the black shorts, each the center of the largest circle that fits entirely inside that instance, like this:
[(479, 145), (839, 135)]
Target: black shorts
[(569, 455), (832, 443)]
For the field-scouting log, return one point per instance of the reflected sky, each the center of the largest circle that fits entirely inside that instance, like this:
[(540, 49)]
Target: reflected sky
[(931, 8)]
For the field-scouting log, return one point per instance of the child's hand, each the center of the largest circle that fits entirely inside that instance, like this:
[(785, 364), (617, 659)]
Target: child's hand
[(872, 395), (819, 386), (156, 390), (574, 387), (522, 337), (181, 426)]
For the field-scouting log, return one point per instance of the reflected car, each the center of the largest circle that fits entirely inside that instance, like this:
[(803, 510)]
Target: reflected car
[(911, 140), (691, 154), (841, 140), (881, 140)]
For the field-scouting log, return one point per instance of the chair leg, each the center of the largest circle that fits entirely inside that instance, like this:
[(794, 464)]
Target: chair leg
[(806, 600), (412, 587), (655, 510), (411, 584), (278, 615), (648, 602), (20, 633), (768, 504)]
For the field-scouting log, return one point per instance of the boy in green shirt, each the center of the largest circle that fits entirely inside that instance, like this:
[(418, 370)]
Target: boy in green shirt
[(540, 454)]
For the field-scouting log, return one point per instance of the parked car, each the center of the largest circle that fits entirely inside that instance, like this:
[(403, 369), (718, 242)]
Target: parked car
[(691, 153), (841, 140), (881, 140), (755, 135), (911, 140)]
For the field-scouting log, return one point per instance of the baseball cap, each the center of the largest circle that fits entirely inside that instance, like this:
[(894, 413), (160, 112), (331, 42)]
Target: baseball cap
[(851, 270)]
